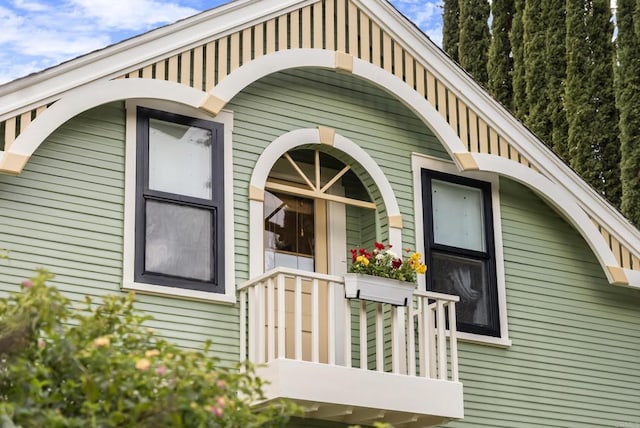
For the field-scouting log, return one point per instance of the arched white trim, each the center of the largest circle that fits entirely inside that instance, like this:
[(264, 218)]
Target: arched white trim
[(296, 58), (287, 142), (95, 94), (557, 197)]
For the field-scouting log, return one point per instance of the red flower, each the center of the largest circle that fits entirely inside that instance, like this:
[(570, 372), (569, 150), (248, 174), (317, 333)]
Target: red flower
[(354, 255), (396, 263), (365, 253), (378, 246)]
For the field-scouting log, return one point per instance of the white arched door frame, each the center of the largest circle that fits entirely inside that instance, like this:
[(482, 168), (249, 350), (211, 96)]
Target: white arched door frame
[(294, 139)]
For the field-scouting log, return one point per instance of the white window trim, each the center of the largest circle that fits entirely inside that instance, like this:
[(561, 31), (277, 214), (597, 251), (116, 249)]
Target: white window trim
[(128, 282), (419, 162)]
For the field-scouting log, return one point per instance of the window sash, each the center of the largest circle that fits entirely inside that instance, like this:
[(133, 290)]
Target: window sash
[(485, 321), (212, 204)]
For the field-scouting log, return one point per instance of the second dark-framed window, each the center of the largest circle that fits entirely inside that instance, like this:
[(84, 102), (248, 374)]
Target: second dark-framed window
[(179, 225), (460, 249)]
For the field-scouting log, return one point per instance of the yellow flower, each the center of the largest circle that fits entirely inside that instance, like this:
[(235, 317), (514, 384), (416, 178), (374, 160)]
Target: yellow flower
[(102, 341), (421, 268), (143, 364), (151, 353), (363, 260)]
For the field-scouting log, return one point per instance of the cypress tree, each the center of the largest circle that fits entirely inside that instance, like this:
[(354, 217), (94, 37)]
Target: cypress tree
[(516, 38), (450, 29), (601, 83), (592, 135), (577, 97), (628, 102), (500, 62), (474, 38), (555, 73), (534, 70)]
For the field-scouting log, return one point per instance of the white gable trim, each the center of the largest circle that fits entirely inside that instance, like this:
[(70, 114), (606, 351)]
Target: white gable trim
[(297, 58), (96, 94), (558, 197), (283, 144)]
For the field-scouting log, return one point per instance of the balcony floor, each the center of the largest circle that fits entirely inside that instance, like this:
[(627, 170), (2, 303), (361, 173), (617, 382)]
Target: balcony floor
[(355, 396)]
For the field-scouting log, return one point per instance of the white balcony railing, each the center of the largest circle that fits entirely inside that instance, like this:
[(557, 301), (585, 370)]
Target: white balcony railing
[(422, 344)]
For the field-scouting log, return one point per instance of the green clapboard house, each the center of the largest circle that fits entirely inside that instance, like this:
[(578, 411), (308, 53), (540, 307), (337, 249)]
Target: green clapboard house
[(222, 167)]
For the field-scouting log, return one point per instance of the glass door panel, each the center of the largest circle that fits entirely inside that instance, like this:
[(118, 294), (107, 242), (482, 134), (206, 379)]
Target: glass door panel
[(289, 229)]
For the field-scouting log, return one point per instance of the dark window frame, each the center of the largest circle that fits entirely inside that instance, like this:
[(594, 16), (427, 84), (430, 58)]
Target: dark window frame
[(215, 204), (488, 256)]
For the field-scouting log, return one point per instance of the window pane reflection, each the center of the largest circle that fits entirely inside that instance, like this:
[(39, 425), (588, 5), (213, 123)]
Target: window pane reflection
[(178, 241), (288, 231), (458, 219), (466, 278), (179, 159)]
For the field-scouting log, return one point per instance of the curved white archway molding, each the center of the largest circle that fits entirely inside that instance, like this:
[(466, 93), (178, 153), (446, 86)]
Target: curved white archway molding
[(287, 142), (96, 94), (297, 58), (564, 202)]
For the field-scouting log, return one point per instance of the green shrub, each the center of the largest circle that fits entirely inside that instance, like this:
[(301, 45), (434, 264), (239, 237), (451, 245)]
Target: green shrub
[(101, 367)]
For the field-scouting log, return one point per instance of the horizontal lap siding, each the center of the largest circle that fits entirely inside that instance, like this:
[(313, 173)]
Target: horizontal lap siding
[(575, 359), (65, 213)]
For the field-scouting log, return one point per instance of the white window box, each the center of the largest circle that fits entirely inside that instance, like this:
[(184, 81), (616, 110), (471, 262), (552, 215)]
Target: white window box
[(378, 289)]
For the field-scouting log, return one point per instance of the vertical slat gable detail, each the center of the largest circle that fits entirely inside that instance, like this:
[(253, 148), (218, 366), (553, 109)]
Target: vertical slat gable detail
[(329, 24), (198, 68), (623, 255), (294, 30), (307, 30), (339, 25)]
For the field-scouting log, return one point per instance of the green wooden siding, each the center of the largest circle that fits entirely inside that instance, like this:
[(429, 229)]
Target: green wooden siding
[(65, 213), (575, 359)]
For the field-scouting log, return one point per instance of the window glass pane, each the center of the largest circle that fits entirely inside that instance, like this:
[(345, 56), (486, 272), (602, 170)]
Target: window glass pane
[(288, 231), (179, 159), (466, 278), (458, 219), (178, 240)]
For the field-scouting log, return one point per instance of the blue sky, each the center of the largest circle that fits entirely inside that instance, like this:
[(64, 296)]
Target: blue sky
[(36, 34)]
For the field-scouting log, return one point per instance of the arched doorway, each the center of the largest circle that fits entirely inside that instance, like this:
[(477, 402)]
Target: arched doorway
[(314, 205)]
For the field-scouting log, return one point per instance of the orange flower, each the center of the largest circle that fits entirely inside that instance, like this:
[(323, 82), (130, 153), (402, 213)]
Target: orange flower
[(143, 364), (102, 341)]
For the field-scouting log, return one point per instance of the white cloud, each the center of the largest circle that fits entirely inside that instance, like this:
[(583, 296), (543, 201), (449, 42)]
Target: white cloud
[(131, 15), (31, 6), (37, 34), (40, 34), (426, 14)]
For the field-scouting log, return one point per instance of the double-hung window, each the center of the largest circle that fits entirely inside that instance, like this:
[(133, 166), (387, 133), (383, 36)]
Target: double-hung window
[(179, 214), (460, 249)]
